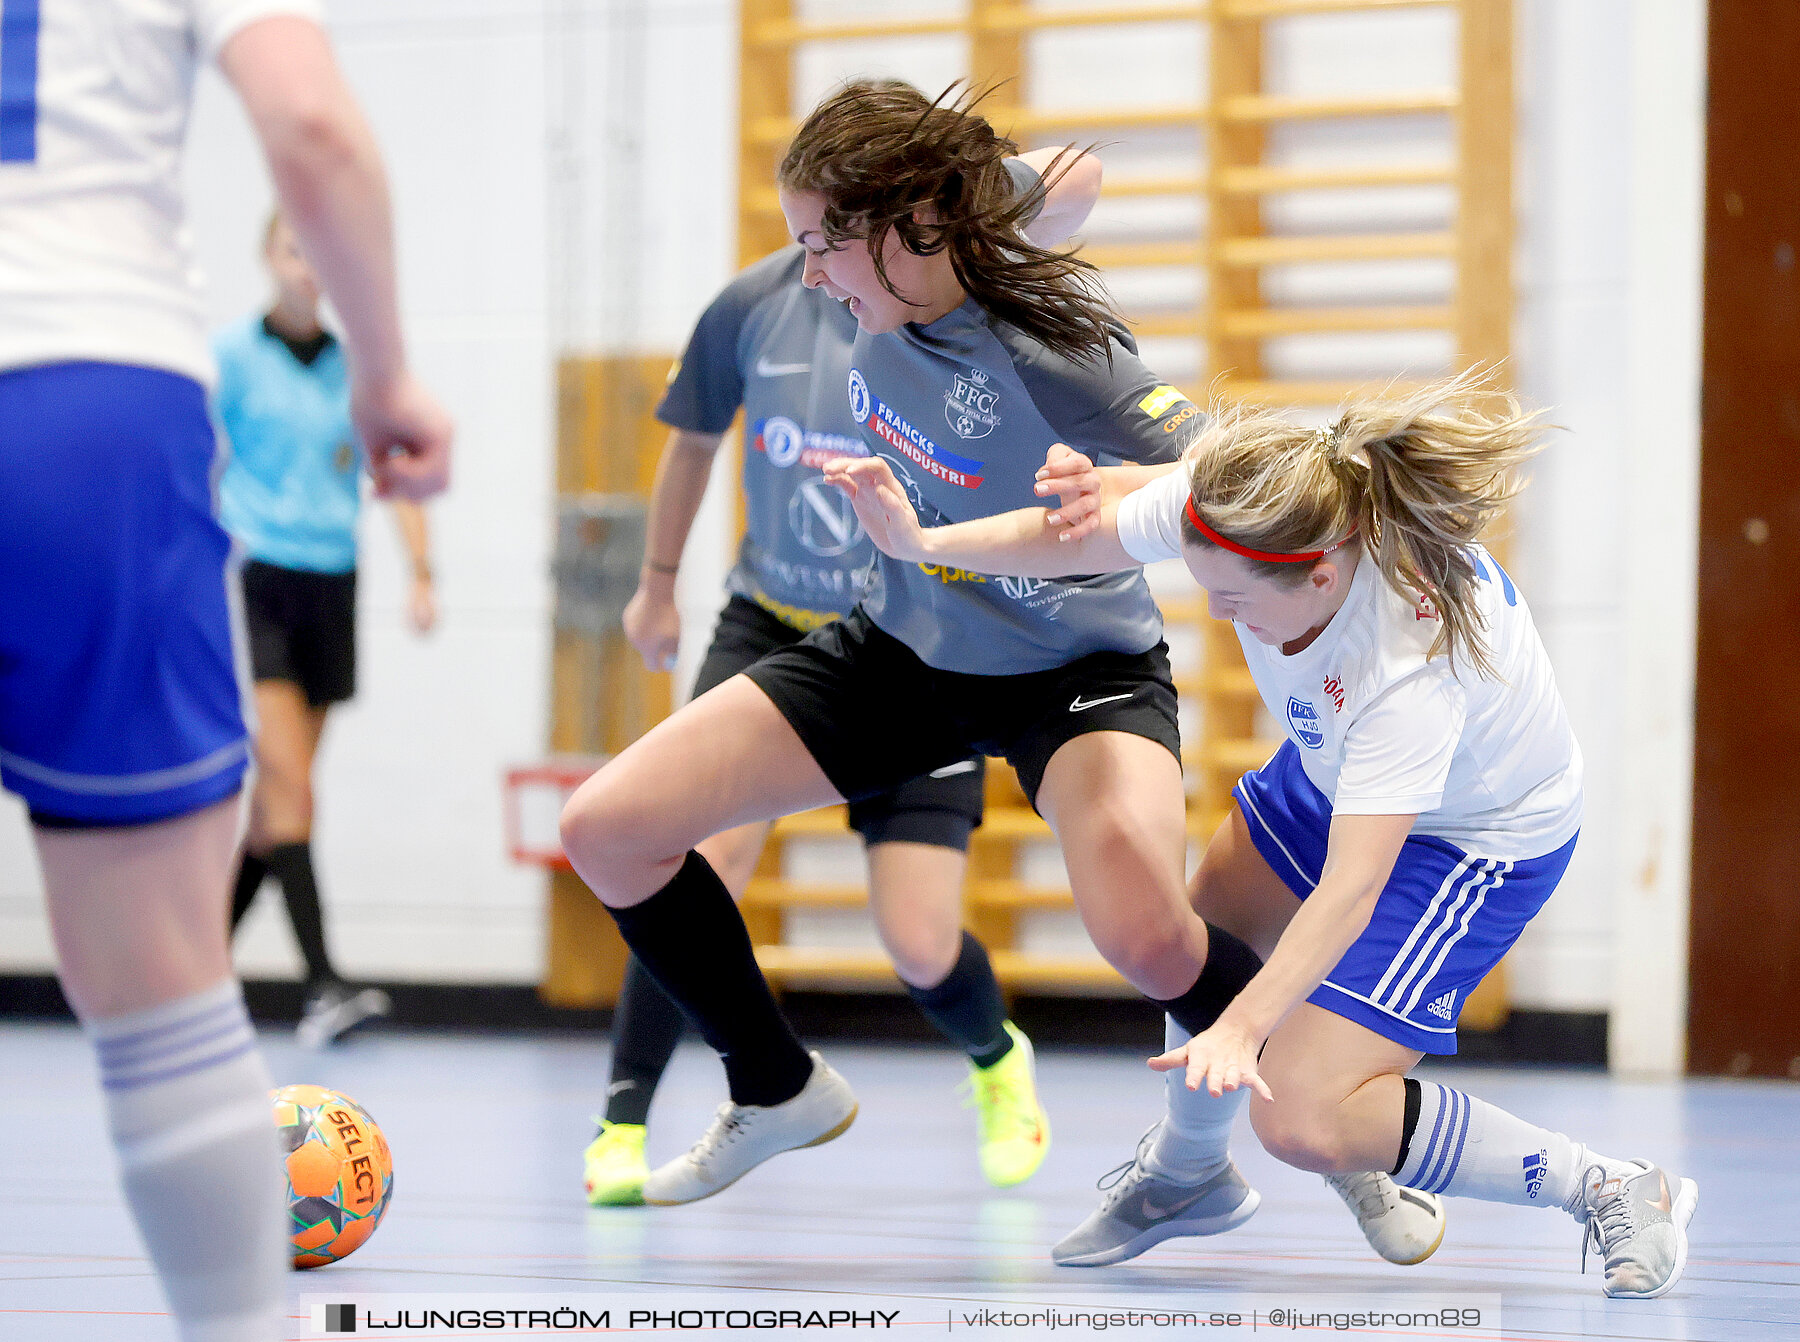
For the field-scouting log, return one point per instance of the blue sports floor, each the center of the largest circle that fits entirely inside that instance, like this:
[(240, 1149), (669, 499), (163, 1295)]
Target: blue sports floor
[(487, 1133)]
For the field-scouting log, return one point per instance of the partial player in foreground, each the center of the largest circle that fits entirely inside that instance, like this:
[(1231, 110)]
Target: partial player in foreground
[(290, 497), (1422, 809), (121, 724), (781, 351)]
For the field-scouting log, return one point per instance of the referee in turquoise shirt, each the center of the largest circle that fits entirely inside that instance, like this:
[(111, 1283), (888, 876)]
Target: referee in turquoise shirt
[(290, 496)]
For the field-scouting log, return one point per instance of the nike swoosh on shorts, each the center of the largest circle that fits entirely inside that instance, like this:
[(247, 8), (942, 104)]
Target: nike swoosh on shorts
[(766, 369), (1077, 706)]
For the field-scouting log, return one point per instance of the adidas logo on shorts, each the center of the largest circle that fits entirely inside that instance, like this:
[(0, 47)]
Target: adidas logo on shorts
[(1445, 1006)]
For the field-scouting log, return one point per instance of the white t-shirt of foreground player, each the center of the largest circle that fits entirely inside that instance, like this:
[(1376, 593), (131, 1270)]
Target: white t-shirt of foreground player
[(96, 261), (1490, 765)]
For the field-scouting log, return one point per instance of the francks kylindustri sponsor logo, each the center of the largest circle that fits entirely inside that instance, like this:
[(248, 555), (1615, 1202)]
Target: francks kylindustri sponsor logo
[(786, 444), (894, 429)]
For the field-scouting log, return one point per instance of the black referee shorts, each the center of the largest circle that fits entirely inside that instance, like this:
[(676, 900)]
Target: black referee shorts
[(940, 807), (302, 628), (871, 711)]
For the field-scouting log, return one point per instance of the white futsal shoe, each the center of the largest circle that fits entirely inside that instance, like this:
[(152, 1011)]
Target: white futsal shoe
[(1403, 1225), (336, 1009), (742, 1136), (1639, 1224)]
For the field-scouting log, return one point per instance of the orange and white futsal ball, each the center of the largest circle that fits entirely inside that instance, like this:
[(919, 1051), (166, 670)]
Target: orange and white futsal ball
[(340, 1173)]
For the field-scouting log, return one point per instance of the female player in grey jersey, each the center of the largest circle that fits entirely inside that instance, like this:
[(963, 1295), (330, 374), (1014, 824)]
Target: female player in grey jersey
[(976, 351), (781, 352)]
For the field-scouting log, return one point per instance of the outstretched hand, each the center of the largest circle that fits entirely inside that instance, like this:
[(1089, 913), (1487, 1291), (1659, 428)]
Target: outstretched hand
[(881, 505), (1220, 1059), (1070, 476)]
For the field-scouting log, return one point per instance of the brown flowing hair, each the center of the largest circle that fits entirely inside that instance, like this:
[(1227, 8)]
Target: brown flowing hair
[(880, 153), (1417, 479)]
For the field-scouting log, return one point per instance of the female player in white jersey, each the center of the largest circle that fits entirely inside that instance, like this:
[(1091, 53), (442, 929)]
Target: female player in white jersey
[(1424, 805), (781, 352), (976, 350), (120, 721)]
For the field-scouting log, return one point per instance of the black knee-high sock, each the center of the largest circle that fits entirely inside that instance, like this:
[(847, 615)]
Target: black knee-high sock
[(250, 873), (1230, 964), (967, 1007), (292, 865), (692, 939), (646, 1027)]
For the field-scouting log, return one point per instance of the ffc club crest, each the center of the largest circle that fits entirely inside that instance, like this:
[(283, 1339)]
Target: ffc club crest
[(971, 406)]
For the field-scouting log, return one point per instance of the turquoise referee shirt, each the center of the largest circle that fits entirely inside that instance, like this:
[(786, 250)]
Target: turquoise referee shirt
[(292, 489)]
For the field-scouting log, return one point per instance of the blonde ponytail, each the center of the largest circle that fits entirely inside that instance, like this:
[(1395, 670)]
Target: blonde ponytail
[(1418, 479)]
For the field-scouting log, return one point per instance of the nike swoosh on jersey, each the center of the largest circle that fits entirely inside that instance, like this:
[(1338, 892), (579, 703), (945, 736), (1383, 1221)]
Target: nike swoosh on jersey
[(766, 369), (1078, 706)]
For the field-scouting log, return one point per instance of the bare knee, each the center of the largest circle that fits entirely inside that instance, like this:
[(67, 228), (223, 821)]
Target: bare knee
[(734, 854), (923, 954), (611, 842), (1157, 959), (1301, 1132), (281, 811)]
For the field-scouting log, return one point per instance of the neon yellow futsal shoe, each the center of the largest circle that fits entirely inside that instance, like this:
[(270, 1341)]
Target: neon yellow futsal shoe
[(1015, 1131), (615, 1166)]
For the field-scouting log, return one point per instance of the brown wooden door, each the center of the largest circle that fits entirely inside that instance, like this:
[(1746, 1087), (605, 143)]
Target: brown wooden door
[(1744, 967)]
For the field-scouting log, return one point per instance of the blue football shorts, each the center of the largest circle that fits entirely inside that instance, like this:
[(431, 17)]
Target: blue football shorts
[(120, 701), (1443, 921)]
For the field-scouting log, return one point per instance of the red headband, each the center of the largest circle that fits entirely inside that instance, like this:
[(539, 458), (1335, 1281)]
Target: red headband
[(1304, 557)]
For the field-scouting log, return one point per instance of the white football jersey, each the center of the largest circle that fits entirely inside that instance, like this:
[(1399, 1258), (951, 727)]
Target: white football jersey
[(96, 261), (1491, 765)]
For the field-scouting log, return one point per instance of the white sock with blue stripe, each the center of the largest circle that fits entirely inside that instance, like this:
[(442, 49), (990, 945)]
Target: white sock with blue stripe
[(1465, 1147), (1194, 1141), (187, 1098)]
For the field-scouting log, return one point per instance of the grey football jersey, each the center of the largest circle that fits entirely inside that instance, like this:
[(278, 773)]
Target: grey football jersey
[(782, 351), (964, 410)]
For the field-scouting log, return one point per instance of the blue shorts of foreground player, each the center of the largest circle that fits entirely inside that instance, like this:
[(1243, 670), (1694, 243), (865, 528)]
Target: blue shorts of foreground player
[(1443, 921), (119, 695)]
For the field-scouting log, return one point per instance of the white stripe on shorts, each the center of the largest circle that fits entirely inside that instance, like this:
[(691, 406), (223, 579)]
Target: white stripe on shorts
[(1493, 880), (128, 785), (1438, 914), (1431, 913), (1249, 806)]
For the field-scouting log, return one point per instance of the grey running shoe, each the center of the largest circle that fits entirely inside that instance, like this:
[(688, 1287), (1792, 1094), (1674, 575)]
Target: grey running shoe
[(1639, 1224), (1141, 1209), (1403, 1225), (336, 1009), (742, 1136)]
